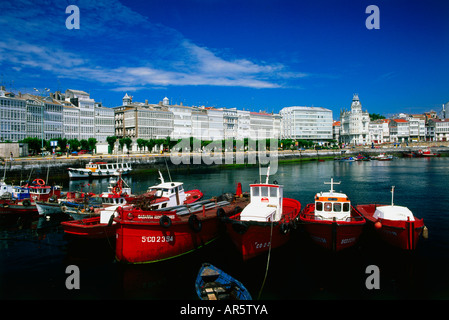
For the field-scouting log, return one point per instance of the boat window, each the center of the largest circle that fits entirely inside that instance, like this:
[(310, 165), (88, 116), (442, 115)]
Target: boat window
[(273, 192), (328, 206), (337, 207), (255, 191), (319, 206), (180, 188), (346, 207), (264, 191), (164, 205)]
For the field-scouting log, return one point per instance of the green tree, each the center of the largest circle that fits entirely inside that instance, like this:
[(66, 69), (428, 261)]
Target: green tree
[(74, 144), (111, 142), (375, 116), (92, 142), (84, 144), (141, 143), (34, 144)]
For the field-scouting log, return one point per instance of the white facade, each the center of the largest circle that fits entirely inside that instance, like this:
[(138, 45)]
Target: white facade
[(308, 123), (182, 122), (439, 128), (104, 122), (355, 124), (216, 125), (13, 115)]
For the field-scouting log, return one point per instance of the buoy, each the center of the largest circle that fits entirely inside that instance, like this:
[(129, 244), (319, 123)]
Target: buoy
[(238, 192), (378, 225), (425, 232)]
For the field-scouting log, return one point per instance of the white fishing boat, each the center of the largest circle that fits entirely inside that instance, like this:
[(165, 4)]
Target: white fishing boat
[(100, 170)]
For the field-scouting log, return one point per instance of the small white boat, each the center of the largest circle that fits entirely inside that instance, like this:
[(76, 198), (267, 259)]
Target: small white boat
[(100, 170)]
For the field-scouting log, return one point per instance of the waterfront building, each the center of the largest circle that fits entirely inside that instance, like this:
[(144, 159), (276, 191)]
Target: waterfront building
[(104, 122), (336, 126), (376, 131), (439, 128), (230, 123), (200, 124), (13, 116), (399, 130), (262, 126), (243, 124), (355, 124), (216, 125), (182, 121), (142, 120), (307, 123), (417, 127)]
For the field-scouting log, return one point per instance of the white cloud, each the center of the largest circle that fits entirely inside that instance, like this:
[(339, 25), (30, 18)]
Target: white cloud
[(106, 51)]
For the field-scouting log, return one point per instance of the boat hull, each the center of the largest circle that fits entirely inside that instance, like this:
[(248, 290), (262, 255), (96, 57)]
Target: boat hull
[(11, 207), (334, 235), (401, 234), (46, 208), (89, 228), (145, 239), (254, 238), (214, 284), (85, 173)]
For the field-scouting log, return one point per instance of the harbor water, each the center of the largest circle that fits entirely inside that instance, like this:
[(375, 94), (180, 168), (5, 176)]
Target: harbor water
[(35, 253)]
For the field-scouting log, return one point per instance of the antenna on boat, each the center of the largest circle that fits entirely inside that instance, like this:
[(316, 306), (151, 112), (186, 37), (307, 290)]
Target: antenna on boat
[(268, 175), (161, 177), (392, 195), (169, 176), (332, 184)]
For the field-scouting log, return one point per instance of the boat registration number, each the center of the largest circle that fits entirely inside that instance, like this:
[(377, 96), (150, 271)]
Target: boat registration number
[(158, 239), (260, 245)]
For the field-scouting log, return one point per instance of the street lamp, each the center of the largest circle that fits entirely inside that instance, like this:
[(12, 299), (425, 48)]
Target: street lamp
[(42, 93)]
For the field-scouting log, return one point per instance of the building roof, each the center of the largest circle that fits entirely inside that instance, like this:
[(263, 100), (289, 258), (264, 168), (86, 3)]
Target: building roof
[(399, 120)]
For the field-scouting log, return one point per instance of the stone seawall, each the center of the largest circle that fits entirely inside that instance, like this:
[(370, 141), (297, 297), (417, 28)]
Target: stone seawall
[(25, 167)]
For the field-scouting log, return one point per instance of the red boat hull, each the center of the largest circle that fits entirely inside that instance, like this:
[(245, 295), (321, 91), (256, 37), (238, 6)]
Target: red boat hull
[(145, 239), (254, 238), (89, 228), (8, 207), (401, 234), (332, 234)]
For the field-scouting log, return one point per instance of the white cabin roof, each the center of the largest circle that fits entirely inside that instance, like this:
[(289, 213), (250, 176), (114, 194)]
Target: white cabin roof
[(397, 213)]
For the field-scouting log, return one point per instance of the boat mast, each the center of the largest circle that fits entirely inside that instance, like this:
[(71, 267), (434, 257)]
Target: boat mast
[(392, 195), (332, 184)]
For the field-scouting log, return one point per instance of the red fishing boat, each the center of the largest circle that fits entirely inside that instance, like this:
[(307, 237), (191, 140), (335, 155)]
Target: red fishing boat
[(38, 191), (145, 236), (394, 224), (332, 222), (163, 195), (265, 222)]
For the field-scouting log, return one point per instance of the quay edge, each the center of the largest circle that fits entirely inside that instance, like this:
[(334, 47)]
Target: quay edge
[(20, 168)]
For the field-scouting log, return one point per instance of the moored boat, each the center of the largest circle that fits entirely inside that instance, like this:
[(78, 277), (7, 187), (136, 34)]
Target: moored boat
[(214, 284), (394, 224), (331, 221), (100, 170), (429, 153), (265, 222), (27, 194), (383, 157), (146, 235), (161, 196)]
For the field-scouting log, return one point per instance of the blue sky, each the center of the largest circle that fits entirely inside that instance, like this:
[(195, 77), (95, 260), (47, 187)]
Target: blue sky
[(253, 55)]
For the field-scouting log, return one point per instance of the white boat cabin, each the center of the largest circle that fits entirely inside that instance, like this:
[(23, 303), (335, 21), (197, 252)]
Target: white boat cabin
[(174, 191), (266, 203), (397, 213), (330, 205)]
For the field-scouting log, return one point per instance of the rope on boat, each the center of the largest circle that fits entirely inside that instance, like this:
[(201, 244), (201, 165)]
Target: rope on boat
[(268, 261)]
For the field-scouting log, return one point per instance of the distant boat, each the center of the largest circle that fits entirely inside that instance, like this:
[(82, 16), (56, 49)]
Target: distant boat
[(429, 153), (100, 170), (395, 224), (214, 284), (383, 157)]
